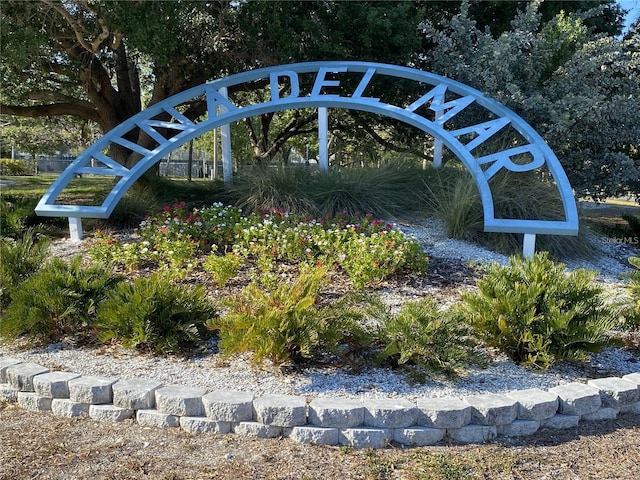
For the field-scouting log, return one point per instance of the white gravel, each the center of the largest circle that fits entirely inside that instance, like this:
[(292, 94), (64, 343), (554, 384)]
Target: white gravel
[(211, 372)]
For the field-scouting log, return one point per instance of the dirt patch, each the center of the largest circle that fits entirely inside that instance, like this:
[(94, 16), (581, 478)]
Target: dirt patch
[(40, 445)]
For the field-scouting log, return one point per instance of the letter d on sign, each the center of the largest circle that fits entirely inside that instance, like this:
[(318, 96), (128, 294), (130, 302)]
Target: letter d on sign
[(275, 89)]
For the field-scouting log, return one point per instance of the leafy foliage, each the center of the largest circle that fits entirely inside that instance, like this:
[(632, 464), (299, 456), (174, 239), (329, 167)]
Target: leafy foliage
[(20, 259), (421, 335), (632, 313), (563, 80), (15, 167), (634, 225), (153, 313), (222, 267), (537, 313), (281, 324), (59, 299), (368, 249)]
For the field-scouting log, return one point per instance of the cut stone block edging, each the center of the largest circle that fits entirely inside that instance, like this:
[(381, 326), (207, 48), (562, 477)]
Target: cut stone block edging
[(365, 423)]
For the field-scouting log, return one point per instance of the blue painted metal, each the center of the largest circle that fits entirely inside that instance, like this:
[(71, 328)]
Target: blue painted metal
[(461, 141)]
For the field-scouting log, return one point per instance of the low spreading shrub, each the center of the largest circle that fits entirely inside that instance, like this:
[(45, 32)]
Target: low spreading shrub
[(59, 299), (17, 215), (19, 259), (367, 249), (222, 268), (421, 335), (538, 313), (281, 324), (154, 314)]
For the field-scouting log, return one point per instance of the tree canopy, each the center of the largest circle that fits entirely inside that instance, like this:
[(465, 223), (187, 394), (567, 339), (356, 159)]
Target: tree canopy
[(562, 68)]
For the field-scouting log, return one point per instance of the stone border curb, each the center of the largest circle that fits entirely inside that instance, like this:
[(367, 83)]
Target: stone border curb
[(367, 423)]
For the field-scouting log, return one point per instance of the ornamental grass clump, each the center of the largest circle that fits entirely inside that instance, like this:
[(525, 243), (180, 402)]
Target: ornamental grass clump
[(538, 313), (155, 314)]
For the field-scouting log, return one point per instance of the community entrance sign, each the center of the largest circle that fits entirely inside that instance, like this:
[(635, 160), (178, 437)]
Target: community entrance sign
[(483, 134)]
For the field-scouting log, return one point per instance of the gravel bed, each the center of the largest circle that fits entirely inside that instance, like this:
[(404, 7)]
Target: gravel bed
[(210, 371)]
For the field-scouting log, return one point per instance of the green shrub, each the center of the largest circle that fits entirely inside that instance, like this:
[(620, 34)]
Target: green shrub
[(632, 310), (10, 221), (155, 314), (16, 167), (222, 268), (59, 299), (282, 324), (16, 214), (538, 313), (421, 335), (19, 259), (634, 224)]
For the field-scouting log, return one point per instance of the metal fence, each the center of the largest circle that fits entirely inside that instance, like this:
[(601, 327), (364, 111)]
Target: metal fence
[(171, 168)]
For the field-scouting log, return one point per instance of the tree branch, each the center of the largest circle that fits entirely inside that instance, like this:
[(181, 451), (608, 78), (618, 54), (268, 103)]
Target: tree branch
[(50, 110), (57, 97), (78, 29), (386, 143)]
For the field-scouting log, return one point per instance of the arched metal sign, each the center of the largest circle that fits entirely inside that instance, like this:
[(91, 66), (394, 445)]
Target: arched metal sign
[(485, 135)]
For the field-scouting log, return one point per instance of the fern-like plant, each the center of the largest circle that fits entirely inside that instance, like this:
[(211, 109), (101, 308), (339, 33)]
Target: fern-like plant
[(19, 259), (280, 324), (421, 335), (59, 299), (154, 314), (222, 268), (538, 313)]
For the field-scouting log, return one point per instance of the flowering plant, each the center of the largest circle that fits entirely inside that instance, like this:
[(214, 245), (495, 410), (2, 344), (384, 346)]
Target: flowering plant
[(368, 250)]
